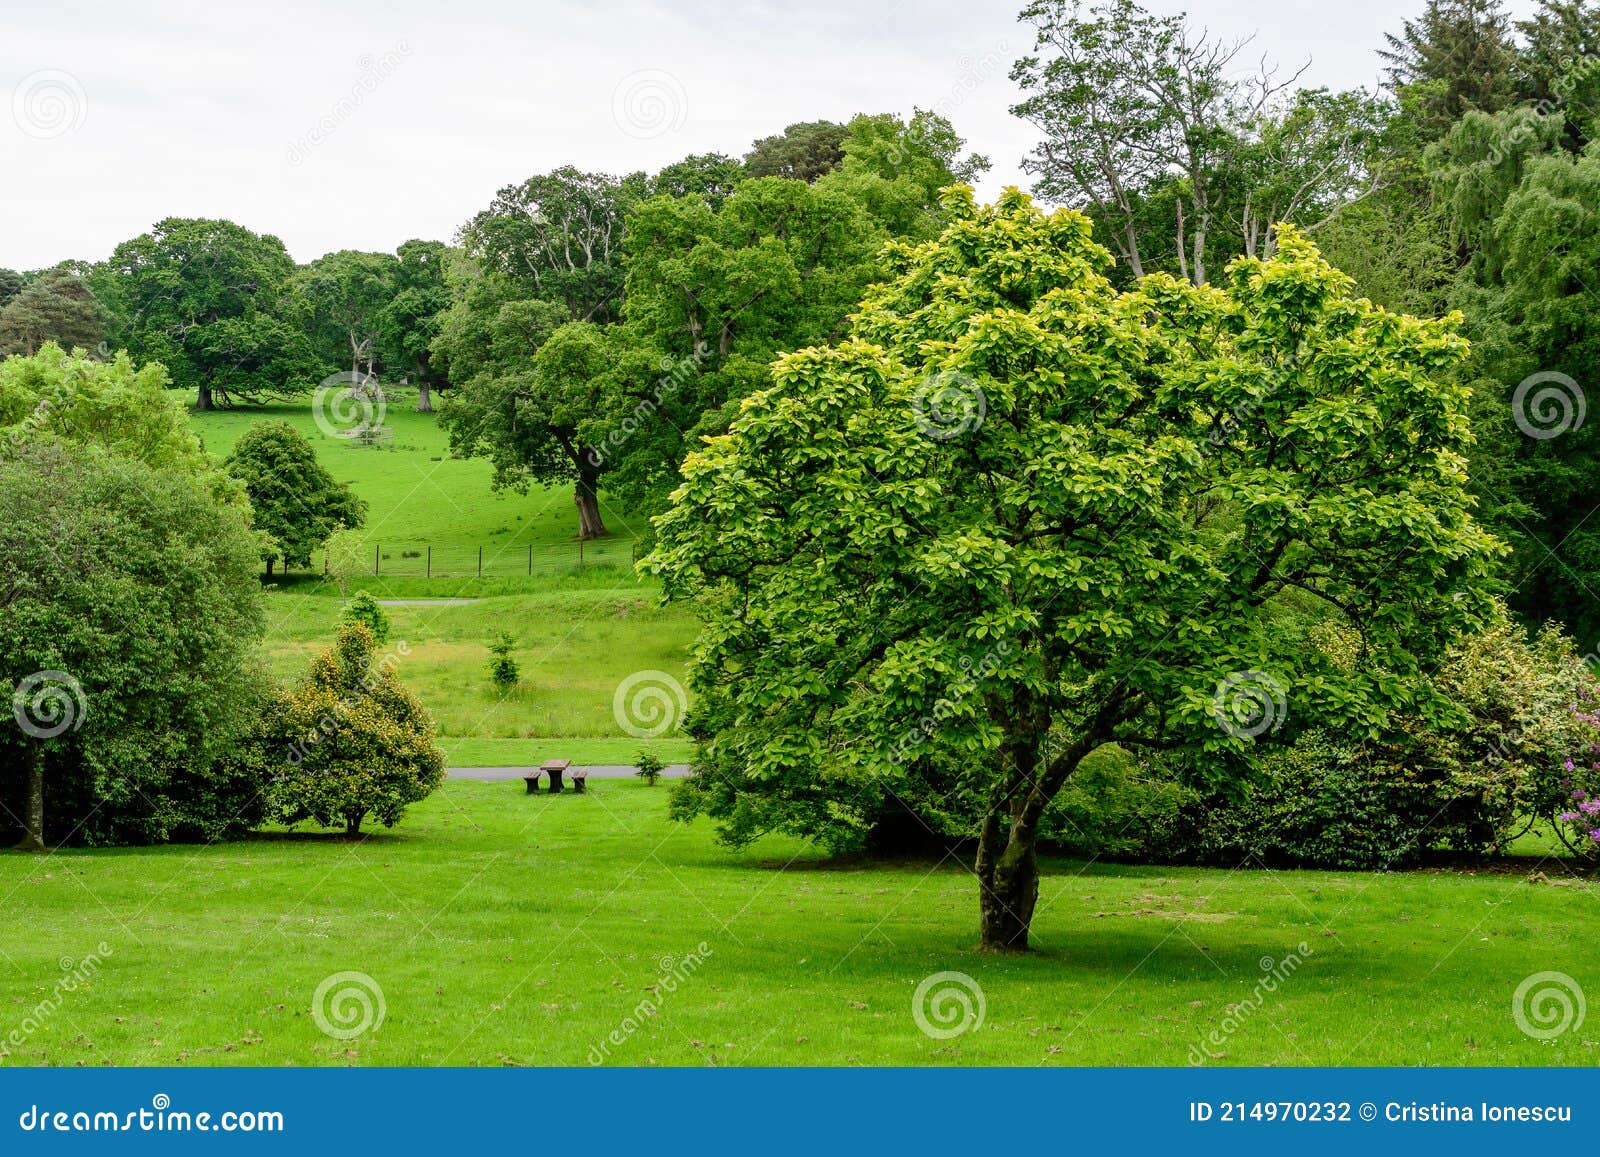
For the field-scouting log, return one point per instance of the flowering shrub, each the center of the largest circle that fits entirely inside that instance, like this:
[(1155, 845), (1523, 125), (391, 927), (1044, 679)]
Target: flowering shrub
[(1580, 820)]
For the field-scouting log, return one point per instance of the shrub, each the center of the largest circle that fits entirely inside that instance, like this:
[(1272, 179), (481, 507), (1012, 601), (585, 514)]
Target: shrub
[(650, 767), (128, 636), (1462, 782), (360, 743), (363, 608), (502, 667), (1112, 806)]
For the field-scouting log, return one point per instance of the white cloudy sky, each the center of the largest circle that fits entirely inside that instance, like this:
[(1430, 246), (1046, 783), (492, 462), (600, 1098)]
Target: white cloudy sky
[(195, 108)]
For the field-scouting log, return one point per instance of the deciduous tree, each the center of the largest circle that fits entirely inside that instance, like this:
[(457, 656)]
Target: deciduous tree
[(1019, 514)]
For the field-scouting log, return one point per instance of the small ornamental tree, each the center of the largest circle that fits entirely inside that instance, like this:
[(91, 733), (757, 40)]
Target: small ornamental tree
[(360, 744), (364, 608), (297, 504), (1019, 514)]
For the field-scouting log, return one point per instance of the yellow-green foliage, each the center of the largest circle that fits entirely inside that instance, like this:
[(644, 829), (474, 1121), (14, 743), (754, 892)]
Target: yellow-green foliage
[(359, 743)]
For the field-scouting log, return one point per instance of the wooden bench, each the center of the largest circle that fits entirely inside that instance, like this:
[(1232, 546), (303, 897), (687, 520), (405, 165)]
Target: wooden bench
[(579, 776)]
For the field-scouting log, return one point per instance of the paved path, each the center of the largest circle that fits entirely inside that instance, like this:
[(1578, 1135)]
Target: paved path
[(596, 771), (425, 602)]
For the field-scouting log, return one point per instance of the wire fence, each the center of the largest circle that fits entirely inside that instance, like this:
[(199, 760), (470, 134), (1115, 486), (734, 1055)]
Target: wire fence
[(498, 560)]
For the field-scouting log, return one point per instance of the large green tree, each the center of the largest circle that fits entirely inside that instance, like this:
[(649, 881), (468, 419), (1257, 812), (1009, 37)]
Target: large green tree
[(129, 614), (1458, 55), (344, 297), (558, 236), (1020, 514), (802, 152), (213, 302)]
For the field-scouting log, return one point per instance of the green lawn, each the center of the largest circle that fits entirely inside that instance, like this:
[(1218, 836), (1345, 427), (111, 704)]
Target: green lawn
[(503, 928)]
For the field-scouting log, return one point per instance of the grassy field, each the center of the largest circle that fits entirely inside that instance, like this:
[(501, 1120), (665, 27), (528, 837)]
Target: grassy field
[(575, 646), (417, 496), (503, 928), (580, 629)]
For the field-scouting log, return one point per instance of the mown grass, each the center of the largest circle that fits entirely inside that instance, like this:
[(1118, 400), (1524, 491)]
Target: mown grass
[(512, 929)]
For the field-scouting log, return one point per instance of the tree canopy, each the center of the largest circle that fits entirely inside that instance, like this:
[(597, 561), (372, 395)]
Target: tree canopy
[(213, 302), (1052, 515)]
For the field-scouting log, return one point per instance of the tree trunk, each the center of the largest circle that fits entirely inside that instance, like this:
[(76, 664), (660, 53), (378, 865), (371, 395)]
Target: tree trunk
[(586, 495), (1008, 882), (33, 837), (424, 399), (270, 561), (203, 400), (352, 823)]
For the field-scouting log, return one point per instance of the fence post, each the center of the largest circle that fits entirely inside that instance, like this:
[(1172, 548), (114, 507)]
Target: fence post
[(375, 555), (480, 562), (430, 560)]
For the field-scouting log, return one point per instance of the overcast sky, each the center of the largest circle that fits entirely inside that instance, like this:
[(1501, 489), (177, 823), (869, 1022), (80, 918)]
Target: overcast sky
[(361, 124)]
